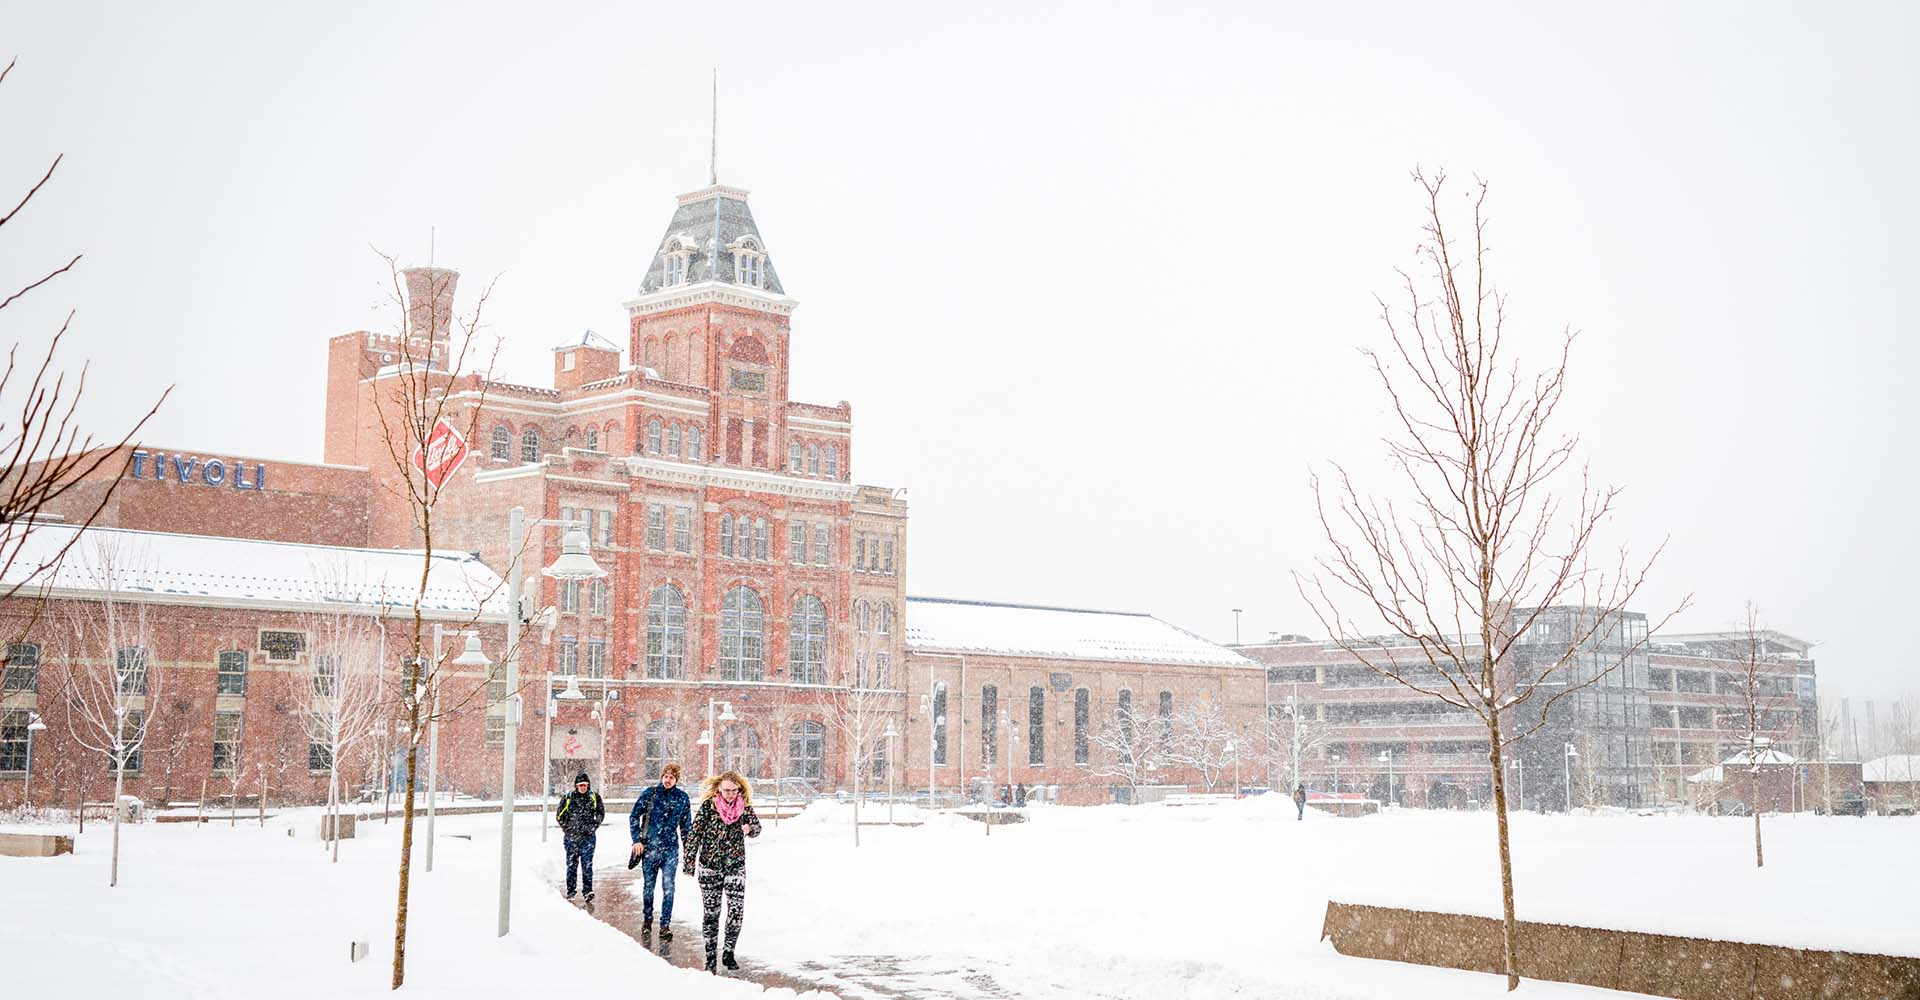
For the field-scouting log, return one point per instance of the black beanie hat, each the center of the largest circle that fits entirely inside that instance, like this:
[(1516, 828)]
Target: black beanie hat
[(580, 778)]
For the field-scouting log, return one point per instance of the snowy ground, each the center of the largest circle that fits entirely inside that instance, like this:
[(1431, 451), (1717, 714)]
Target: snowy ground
[(1219, 900)]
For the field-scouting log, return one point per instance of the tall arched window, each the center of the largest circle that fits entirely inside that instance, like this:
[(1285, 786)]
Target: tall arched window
[(530, 445), (739, 750), (813, 460), (830, 461), (760, 539), (1036, 725), (1082, 716), (743, 637), (726, 535), (886, 617), (990, 724), (667, 633), (807, 751), (653, 436), (673, 440), (696, 444), (861, 624), (940, 725), (1125, 718), (502, 442), (662, 747), (593, 439), (807, 641)]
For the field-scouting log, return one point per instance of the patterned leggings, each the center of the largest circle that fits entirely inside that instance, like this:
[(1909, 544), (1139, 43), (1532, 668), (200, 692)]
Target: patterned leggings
[(712, 886)]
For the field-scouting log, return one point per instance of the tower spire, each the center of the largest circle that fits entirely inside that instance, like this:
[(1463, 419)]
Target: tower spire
[(713, 136)]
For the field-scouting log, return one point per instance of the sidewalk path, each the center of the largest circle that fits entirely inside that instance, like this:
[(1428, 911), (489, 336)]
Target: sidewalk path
[(854, 977)]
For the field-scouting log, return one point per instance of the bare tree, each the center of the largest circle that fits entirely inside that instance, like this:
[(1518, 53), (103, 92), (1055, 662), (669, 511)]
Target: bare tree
[(44, 452), (1132, 749), (341, 697), (440, 355), (1198, 737), (1759, 697), (859, 715), (111, 680), (1289, 737), (1485, 538)]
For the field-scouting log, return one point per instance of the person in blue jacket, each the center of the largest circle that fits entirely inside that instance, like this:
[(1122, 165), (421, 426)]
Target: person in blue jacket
[(660, 820)]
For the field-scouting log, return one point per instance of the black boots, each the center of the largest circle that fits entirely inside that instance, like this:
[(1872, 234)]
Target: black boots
[(726, 959)]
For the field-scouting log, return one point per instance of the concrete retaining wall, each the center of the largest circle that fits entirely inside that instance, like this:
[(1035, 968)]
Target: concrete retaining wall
[(34, 845), (1657, 964)]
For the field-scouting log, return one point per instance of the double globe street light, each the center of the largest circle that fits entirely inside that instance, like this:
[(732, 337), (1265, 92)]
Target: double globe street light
[(575, 563)]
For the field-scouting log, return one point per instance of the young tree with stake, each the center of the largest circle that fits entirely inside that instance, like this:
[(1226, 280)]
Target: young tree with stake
[(1484, 533)]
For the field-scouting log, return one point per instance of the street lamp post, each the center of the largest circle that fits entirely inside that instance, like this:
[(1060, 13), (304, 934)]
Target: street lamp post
[(893, 766), (1387, 755), (1236, 626), (709, 738), (927, 703), (34, 725), (471, 655), (1334, 759), (1228, 750), (1568, 776), (1520, 781), (574, 564)]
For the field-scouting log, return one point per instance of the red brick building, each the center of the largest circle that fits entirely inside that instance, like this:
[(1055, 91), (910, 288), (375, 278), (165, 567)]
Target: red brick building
[(745, 565)]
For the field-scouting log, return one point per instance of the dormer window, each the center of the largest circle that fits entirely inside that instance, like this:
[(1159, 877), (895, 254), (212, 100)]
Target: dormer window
[(749, 262), (676, 269)]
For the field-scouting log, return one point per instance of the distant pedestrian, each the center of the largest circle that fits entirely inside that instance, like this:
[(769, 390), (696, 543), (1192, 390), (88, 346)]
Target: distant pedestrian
[(580, 815), (1020, 794), (661, 820), (1300, 801), (717, 852)]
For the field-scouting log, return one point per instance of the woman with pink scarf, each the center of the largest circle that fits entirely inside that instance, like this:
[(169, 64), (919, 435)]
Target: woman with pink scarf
[(717, 853)]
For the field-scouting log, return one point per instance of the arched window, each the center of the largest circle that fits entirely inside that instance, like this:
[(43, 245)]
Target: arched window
[(1036, 725), (830, 461), (813, 460), (653, 436), (667, 633), (1082, 711), (593, 439), (807, 641), (743, 637), (861, 624), (673, 440), (696, 444), (610, 437), (530, 445), (726, 535), (886, 617), (940, 724), (795, 451), (807, 751), (662, 747), (990, 724), (739, 750), (502, 442)]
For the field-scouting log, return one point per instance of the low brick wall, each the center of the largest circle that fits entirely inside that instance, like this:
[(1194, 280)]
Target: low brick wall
[(34, 845), (1664, 965)]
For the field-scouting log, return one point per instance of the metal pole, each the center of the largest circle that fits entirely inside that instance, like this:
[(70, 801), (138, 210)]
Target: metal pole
[(26, 785), (1293, 708), (433, 744), (546, 752), (712, 737), (1566, 758), (516, 533)]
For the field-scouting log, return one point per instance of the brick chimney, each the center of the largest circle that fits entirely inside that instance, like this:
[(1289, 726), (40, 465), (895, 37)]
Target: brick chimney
[(430, 308), (588, 358)]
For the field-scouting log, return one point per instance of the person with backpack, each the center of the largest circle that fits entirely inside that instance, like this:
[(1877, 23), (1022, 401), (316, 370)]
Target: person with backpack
[(1300, 802), (717, 852), (580, 815), (661, 820)]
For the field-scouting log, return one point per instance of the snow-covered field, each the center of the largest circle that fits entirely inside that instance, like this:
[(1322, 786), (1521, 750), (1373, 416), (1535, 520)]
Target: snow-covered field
[(1215, 900)]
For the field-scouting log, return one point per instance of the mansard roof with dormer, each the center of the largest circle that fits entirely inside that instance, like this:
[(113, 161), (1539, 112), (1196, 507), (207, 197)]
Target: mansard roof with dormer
[(708, 227)]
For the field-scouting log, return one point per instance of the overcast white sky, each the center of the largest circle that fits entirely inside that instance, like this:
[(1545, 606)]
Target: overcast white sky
[(1093, 276)]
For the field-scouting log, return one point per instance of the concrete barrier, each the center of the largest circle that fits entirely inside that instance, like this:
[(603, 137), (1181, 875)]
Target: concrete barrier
[(34, 845), (346, 821), (1686, 968)]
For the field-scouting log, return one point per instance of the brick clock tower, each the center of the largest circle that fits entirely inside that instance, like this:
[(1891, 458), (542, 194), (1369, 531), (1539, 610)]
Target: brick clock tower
[(745, 565)]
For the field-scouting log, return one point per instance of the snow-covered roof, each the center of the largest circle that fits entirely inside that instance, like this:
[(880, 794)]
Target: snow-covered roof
[(1059, 633), (200, 569), (588, 339), (1739, 762), (1897, 767)]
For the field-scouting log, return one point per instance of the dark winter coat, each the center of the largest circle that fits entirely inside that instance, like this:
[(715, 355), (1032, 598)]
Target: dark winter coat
[(580, 814), (662, 818), (1299, 795), (719, 846)]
